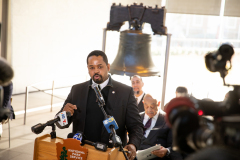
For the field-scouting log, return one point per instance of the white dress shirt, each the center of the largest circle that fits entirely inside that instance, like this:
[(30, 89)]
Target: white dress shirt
[(139, 98), (154, 120), (102, 85)]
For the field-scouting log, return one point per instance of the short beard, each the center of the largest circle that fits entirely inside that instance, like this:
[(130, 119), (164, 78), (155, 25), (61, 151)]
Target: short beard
[(98, 81), (136, 92)]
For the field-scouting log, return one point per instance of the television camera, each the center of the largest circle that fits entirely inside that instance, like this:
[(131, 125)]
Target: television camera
[(201, 137)]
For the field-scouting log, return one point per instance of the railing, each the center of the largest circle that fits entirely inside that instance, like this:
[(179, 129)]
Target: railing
[(26, 97), (52, 94)]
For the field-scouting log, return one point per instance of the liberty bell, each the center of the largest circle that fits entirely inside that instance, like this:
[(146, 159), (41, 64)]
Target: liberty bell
[(134, 52)]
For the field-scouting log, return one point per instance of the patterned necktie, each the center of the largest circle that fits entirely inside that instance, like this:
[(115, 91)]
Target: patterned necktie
[(147, 125)]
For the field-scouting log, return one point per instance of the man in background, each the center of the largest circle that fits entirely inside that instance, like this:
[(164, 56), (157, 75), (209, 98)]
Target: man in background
[(156, 130), (180, 92), (137, 85)]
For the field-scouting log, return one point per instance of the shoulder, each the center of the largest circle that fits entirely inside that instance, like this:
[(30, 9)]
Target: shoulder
[(161, 114), (9, 86), (80, 85)]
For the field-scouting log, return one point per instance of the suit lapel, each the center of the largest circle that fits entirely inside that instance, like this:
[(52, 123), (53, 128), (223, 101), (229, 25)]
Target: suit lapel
[(142, 116), (142, 97), (83, 102), (159, 124)]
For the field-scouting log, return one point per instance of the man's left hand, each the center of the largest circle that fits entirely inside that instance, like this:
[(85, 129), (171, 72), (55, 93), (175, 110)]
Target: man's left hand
[(132, 150), (160, 152)]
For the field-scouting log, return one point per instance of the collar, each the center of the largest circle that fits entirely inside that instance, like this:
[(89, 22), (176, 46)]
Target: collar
[(154, 117), (108, 82)]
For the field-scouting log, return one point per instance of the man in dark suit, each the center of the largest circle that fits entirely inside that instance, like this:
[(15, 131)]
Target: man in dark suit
[(137, 85), (87, 116), (156, 130)]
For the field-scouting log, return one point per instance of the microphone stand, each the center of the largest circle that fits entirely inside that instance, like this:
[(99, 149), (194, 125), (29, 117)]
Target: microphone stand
[(53, 133), (116, 140)]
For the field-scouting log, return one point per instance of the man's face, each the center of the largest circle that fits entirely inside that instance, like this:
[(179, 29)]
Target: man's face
[(137, 84), (98, 69), (150, 106)]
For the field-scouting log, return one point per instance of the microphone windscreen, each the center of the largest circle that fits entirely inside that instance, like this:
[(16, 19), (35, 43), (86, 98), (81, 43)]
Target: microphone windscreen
[(94, 85), (38, 128), (6, 72), (70, 135)]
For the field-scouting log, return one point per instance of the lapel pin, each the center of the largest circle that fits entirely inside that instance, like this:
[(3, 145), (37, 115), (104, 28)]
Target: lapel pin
[(113, 92)]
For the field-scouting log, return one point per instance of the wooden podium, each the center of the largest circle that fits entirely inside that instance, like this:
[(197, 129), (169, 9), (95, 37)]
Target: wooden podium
[(45, 149)]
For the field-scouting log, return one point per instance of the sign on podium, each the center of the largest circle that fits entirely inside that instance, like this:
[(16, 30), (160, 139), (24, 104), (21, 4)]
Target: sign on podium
[(45, 148)]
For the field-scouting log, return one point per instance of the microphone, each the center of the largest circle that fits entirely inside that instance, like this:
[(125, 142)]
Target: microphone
[(61, 119), (111, 126), (98, 94), (110, 122), (79, 136), (6, 72)]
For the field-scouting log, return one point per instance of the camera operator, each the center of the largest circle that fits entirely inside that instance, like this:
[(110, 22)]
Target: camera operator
[(6, 74)]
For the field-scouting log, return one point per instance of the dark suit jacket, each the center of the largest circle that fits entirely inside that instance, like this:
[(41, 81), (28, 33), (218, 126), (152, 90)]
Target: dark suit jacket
[(121, 105), (140, 105), (160, 134), (7, 94)]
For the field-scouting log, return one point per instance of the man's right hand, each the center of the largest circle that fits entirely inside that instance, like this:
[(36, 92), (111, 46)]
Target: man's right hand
[(69, 108)]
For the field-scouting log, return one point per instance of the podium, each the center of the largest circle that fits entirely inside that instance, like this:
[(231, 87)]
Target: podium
[(45, 149)]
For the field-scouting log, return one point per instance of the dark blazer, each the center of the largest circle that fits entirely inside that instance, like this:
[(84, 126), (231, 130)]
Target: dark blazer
[(140, 105), (121, 105), (7, 94), (160, 134)]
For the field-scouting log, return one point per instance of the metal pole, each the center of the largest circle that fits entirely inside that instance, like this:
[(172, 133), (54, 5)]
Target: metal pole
[(165, 70), (104, 39), (9, 138), (26, 104), (52, 96), (4, 29)]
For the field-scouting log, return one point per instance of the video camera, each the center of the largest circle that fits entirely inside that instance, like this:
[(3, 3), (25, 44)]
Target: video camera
[(198, 136)]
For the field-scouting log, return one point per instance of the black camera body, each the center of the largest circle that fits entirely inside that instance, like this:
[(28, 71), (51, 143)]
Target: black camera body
[(199, 136)]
